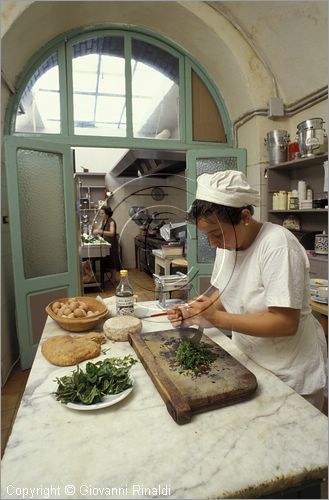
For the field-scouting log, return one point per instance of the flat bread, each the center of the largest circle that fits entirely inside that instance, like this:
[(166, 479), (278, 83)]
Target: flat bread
[(68, 350), (100, 338)]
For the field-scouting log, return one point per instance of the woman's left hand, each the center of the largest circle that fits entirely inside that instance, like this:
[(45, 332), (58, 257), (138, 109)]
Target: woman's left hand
[(96, 232), (202, 310)]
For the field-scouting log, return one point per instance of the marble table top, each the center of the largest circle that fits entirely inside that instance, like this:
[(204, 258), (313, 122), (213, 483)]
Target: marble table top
[(134, 449)]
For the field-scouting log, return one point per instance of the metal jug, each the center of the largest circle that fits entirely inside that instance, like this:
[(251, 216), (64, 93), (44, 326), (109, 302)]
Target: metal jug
[(277, 141)]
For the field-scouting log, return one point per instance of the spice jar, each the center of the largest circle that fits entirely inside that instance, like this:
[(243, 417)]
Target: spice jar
[(293, 151), (293, 203), (282, 200), (275, 201), (321, 243)]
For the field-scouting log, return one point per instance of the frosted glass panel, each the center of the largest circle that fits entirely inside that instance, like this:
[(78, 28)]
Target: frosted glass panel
[(42, 212), (206, 254), (212, 165)]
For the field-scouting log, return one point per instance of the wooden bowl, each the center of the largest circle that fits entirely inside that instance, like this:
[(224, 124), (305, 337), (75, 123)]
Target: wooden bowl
[(79, 324)]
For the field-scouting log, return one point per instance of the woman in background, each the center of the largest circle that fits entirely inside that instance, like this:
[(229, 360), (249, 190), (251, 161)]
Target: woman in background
[(108, 231)]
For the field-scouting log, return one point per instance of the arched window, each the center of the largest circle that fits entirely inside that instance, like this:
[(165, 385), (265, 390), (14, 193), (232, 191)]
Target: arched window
[(39, 107), (120, 84)]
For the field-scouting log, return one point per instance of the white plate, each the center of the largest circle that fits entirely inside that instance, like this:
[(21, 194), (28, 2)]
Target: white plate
[(109, 400), (320, 300), (314, 283)]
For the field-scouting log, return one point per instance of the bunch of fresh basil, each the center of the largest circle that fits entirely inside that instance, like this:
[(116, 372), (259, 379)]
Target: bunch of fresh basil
[(109, 376)]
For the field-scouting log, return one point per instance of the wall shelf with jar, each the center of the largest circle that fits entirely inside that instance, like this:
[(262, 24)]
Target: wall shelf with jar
[(303, 178), (91, 198)]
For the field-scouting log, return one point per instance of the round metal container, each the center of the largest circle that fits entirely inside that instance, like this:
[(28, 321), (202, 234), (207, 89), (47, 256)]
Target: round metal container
[(310, 123), (311, 136), (277, 142)]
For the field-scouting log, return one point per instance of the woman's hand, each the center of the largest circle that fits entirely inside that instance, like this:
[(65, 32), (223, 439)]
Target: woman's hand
[(178, 317), (202, 311), (97, 231), (199, 311)]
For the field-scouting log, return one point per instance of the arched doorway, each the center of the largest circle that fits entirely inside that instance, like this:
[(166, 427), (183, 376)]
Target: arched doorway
[(108, 87)]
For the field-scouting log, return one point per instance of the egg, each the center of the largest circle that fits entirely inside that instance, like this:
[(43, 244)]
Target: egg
[(73, 305), (56, 305), (79, 313)]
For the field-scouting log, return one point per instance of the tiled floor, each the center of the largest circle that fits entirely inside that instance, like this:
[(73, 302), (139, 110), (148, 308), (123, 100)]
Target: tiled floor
[(12, 392)]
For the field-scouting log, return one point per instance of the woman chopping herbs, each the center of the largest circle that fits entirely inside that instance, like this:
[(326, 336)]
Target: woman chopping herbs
[(261, 283)]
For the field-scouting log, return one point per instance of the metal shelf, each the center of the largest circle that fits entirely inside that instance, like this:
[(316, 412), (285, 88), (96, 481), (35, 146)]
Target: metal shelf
[(300, 211), (319, 256), (301, 162)]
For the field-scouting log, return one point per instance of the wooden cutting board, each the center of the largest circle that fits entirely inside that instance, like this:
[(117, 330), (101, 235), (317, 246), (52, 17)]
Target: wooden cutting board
[(225, 382)]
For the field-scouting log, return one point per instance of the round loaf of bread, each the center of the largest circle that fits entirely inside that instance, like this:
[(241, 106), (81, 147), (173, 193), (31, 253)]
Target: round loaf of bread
[(119, 327)]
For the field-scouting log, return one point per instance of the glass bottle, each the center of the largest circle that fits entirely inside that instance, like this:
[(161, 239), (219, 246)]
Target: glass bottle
[(124, 295)]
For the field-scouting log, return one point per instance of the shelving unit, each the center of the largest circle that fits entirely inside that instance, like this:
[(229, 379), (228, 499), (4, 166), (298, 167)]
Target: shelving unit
[(89, 194), (285, 177)]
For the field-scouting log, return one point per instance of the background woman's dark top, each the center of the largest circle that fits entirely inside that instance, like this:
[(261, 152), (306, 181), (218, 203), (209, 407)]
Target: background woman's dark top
[(113, 260)]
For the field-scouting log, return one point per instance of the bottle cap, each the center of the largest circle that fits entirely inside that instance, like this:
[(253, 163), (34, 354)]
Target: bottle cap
[(123, 272)]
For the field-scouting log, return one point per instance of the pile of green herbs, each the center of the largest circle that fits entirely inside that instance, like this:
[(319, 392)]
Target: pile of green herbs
[(86, 238), (194, 358), (99, 379)]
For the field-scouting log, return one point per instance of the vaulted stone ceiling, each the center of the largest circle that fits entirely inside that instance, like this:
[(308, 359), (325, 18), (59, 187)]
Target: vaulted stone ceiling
[(249, 48), (290, 36)]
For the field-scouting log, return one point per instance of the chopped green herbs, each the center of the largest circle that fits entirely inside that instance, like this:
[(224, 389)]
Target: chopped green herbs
[(194, 357), (89, 239), (110, 376)]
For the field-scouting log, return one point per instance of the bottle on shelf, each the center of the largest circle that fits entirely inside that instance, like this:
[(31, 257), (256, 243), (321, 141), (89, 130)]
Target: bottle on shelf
[(294, 200), (301, 192), (124, 295)]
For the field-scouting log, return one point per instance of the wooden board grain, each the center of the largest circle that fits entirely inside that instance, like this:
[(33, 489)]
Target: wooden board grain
[(226, 381)]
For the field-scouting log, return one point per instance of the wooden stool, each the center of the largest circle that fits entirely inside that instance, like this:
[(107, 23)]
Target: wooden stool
[(162, 263)]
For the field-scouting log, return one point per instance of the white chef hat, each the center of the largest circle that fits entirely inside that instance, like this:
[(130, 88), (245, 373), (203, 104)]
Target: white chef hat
[(229, 188)]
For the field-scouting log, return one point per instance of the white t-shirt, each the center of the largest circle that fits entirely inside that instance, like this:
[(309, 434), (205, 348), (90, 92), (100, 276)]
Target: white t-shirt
[(274, 271)]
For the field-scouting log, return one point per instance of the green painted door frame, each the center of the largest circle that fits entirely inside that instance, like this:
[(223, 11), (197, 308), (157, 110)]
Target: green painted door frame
[(199, 269), (27, 288)]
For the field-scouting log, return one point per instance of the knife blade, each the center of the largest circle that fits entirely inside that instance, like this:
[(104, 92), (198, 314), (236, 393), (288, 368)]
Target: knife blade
[(190, 334)]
